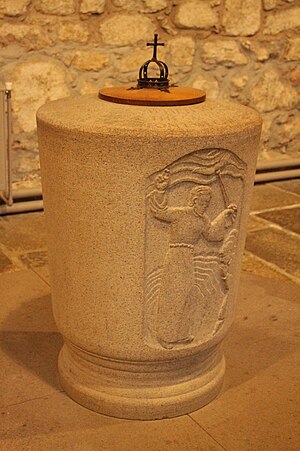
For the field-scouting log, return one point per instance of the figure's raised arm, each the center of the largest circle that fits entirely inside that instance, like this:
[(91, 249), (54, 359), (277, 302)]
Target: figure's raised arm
[(216, 230), (158, 198)]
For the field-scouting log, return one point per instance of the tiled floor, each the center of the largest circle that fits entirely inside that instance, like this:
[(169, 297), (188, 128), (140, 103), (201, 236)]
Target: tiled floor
[(257, 409)]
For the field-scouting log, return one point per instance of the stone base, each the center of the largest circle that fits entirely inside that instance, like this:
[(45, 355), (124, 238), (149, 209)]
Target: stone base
[(141, 390)]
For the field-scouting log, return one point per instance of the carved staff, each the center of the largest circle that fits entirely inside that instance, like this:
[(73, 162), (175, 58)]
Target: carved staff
[(223, 191)]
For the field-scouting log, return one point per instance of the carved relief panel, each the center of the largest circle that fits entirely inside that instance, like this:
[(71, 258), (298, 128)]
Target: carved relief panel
[(193, 209)]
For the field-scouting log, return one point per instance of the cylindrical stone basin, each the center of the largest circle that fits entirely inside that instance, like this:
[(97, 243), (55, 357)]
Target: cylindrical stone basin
[(146, 210)]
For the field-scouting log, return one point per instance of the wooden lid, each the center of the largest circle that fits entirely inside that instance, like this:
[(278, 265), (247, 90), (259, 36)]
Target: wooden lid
[(174, 96)]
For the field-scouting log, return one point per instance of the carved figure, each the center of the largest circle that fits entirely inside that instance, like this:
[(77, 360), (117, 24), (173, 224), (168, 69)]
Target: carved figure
[(189, 252), (178, 290)]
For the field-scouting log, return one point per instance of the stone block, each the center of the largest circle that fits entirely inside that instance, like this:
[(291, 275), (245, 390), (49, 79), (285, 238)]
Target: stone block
[(167, 25), (255, 265), (76, 32), (182, 51), (282, 20), (13, 7), (267, 196), (92, 6), (223, 51), (132, 60), (262, 52), (292, 185), (288, 218), (89, 59), (153, 6), (47, 81), (32, 37), (124, 29), (277, 247), (239, 81), (269, 4), (261, 393), (281, 96), (6, 265), (208, 83), (20, 233), (56, 7), (196, 14), (242, 17), (293, 53)]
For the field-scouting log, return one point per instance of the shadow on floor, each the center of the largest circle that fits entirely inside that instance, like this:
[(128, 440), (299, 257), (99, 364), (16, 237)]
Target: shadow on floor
[(248, 352), (30, 338)]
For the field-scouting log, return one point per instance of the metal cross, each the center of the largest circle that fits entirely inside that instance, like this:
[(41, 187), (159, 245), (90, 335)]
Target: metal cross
[(155, 45)]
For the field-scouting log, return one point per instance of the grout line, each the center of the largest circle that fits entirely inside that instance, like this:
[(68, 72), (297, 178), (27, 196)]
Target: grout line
[(31, 268), (283, 189), (274, 267), (273, 225), (32, 399), (13, 258), (203, 429), (284, 207)]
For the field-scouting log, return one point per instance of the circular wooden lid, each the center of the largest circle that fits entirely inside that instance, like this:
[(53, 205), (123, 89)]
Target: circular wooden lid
[(174, 96)]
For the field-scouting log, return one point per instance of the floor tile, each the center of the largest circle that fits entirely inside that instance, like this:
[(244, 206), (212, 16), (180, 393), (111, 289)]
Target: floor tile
[(277, 247), (35, 259), (6, 265), (288, 218), (29, 340), (254, 265), (268, 196), (28, 365), (292, 185), (23, 232), (42, 272), (25, 303), (57, 423), (259, 415), (265, 329), (258, 407), (255, 223)]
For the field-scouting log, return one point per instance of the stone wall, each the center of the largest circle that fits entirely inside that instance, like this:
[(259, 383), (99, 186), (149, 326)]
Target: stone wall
[(244, 50)]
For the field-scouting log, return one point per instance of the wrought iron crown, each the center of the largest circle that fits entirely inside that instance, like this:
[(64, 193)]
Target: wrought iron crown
[(160, 82)]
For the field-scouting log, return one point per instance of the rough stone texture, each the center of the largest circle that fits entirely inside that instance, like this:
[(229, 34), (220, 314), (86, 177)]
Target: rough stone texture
[(31, 37), (140, 327), (242, 17), (262, 52), (282, 20), (219, 51), (268, 196), (269, 4), (153, 6), (196, 14), (126, 29), (73, 32), (292, 186), (293, 53), (92, 6), (57, 7), (182, 50), (89, 59), (13, 7), (198, 50), (166, 25), (289, 218), (208, 83), (35, 82), (131, 60), (261, 243), (269, 92)]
